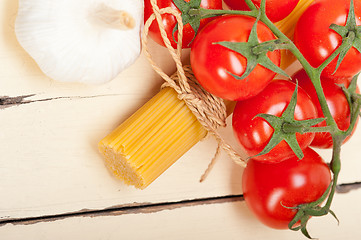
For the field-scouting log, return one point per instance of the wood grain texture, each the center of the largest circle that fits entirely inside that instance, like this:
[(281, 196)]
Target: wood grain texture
[(220, 220), (49, 158), (52, 176)]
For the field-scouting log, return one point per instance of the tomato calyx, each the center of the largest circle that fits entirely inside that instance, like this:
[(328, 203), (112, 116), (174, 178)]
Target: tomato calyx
[(255, 52), (313, 209), (193, 13), (354, 101), (286, 127), (350, 92), (193, 20), (350, 33)]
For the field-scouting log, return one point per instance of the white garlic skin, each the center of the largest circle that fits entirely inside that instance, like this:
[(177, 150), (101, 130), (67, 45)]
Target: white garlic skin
[(70, 45)]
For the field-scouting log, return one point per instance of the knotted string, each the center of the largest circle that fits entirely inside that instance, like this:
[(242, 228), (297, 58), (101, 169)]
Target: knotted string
[(207, 108)]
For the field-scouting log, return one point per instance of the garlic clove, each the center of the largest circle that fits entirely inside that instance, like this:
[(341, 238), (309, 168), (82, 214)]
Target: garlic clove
[(87, 41)]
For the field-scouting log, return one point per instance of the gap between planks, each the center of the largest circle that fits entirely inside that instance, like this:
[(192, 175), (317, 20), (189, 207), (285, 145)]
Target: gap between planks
[(6, 101), (137, 208), (146, 208)]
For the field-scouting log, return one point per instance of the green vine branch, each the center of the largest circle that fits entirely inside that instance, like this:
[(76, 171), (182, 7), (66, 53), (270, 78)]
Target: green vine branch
[(286, 126)]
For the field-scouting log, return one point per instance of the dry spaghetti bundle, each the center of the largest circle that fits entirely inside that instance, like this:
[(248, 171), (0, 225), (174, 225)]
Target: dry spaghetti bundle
[(181, 114)]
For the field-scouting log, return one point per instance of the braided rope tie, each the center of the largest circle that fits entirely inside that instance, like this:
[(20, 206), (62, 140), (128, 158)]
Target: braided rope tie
[(207, 108)]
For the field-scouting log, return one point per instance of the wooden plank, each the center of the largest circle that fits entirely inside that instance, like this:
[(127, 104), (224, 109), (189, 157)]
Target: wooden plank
[(56, 156), (52, 163), (210, 220)]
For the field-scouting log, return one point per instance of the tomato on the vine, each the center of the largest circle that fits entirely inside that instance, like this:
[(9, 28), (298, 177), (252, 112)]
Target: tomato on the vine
[(269, 188), (170, 22), (254, 133), (317, 41), (213, 63), (276, 10), (336, 101)]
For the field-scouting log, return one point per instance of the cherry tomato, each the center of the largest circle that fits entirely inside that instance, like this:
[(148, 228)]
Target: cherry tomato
[(268, 187), (253, 133), (213, 63), (170, 22), (276, 10), (336, 101), (317, 41)]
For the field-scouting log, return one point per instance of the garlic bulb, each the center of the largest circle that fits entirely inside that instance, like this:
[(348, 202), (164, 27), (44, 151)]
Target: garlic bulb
[(88, 41)]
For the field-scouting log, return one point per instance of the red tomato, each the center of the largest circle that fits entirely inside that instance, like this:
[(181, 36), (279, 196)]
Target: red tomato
[(336, 101), (170, 22), (213, 63), (276, 10), (253, 133), (317, 41), (268, 186)]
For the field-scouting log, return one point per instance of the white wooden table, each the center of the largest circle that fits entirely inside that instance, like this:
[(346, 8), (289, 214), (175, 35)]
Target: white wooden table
[(54, 185)]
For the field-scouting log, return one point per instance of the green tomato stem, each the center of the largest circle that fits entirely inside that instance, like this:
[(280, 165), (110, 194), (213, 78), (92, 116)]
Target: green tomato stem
[(354, 116), (346, 43), (316, 80), (315, 76), (335, 167), (206, 13), (291, 128), (269, 46), (251, 5), (290, 45), (313, 73), (338, 136)]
